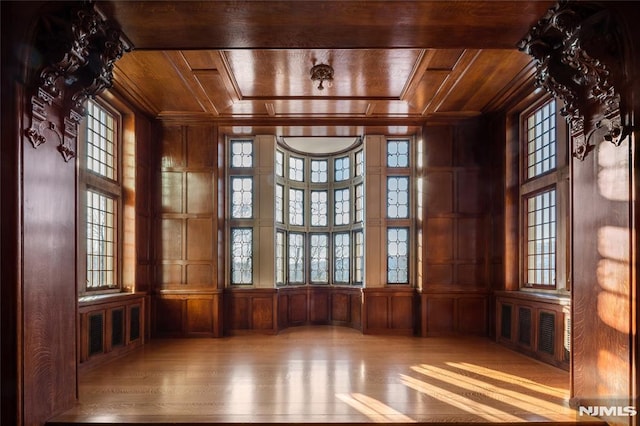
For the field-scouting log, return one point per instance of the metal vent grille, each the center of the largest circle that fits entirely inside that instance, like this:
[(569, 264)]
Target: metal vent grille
[(546, 332), (117, 327), (524, 326), (567, 338), (134, 326), (505, 323), (96, 333)]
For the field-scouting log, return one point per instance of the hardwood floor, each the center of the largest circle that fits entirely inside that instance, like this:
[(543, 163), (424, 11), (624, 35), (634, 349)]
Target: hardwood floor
[(322, 375)]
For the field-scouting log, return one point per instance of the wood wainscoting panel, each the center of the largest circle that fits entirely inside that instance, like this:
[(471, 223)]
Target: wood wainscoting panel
[(400, 306), (236, 313), (250, 310), (454, 312), (377, 313), (199, 315), (283, 311), (167, 315), (355, 301), (319, 305), (262, 313), (292, 306), (389, 310), (297, 313), (179, 314), (472, 315), (440, 315), (340, 307)]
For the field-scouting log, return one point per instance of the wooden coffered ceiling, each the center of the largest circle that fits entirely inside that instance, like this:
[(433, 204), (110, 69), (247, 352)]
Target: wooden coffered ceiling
[(396, 63)]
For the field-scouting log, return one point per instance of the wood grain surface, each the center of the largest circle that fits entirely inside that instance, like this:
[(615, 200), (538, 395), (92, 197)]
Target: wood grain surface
[(322, 374)]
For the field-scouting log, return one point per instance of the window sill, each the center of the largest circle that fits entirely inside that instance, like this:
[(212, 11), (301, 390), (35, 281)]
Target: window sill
[(99, 299), (555, 298)]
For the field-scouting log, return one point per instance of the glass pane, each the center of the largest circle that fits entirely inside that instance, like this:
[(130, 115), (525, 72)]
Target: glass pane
[(398, 197), (398, 153), (360, 163), (319, 171), (280, 256), (296, 169), (359, 257), (241, 197), (101, 241), (241, 153), (241, 255), (341, 254), (279, 205), (279, 163), (342, 169), (541, 140), (398, 255), (101, 141), (360, 203), (296, 207), (341, 203), (319, 207), (296, 258), (319, 253), (541, 239)]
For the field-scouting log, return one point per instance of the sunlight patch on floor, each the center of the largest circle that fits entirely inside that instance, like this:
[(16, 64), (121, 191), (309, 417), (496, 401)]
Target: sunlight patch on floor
[(373, 409)]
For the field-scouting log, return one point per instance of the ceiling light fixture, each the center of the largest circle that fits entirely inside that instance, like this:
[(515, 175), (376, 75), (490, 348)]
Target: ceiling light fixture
[(322, 73)]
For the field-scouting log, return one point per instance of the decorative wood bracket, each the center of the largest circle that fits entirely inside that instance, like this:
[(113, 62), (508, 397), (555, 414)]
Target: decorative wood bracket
[(80, 48), (577, 53)]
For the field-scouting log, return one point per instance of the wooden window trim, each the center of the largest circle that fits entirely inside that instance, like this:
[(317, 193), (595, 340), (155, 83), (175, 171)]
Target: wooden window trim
[(557, 178), (111, 188)]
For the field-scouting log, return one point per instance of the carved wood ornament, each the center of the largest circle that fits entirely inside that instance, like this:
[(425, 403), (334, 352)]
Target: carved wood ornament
[(79, 50), (578, 60)]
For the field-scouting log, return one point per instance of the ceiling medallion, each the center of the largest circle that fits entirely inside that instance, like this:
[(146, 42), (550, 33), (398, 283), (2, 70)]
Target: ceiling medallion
[(322, 73)]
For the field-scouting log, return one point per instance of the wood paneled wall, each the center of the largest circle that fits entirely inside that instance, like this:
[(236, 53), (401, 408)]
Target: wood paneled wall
[(48, 197), (320, 305), (456, 258), (187, 296), (192, 314), (458, 248), (602, 271), (143, 205), (251, 310), (389, 310), (456, 312)]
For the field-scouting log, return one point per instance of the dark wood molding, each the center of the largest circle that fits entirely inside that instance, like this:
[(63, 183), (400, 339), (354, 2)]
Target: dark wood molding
[(79, 48), (577, 49)]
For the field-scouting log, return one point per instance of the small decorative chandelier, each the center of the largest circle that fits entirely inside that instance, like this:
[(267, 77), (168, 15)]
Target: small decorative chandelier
[(322, 73)]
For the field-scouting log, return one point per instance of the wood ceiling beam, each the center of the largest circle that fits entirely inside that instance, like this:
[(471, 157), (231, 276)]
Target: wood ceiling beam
[(325, 24)]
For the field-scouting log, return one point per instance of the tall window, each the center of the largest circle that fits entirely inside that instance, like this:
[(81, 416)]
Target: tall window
[(241, 214), (398, 210), (543, 161), (100, 198), (321, 237)]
